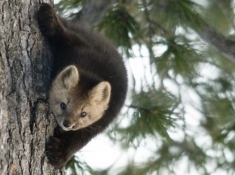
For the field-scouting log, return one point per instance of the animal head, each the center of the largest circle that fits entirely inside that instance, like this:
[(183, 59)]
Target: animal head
[(72, 108)]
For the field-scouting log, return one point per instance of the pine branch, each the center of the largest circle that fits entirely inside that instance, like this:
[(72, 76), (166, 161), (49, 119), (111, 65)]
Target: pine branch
[(218, 41), (140, 108), (150, 31), (93, 11)]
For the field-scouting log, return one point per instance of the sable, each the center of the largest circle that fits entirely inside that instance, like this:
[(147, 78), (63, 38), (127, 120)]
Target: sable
[(89, 84)]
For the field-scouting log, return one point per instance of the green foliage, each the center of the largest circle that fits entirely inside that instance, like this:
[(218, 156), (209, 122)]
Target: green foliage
[(222, 12), (119, 26), (180, 57), (153, 115), (186, 109), (73, 165), (65, 6), (173, 13), (154, 112)]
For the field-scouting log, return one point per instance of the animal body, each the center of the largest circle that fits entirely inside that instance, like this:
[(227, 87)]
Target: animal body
[(89, 84)]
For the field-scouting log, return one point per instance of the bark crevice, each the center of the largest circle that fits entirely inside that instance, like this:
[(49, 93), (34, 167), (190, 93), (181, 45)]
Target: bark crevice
[(25, 121)]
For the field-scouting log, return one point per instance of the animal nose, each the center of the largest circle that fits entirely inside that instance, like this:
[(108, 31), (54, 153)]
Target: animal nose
[(66, 123)]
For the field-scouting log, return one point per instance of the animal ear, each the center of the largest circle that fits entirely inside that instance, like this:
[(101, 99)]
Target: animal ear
[(101, 93), (68, 78)]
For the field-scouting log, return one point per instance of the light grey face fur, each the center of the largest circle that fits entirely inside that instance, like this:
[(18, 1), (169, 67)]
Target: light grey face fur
[(62, 92)]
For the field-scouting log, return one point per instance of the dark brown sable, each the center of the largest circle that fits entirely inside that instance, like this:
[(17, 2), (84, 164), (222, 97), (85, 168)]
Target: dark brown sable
[(96, 61)]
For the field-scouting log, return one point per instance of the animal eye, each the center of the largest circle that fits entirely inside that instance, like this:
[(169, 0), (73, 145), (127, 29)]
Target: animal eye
[(83, 114), (63, 105)]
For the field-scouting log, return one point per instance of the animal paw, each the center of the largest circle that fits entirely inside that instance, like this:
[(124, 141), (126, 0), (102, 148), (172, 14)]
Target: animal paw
[(55, 152), (47, 20)]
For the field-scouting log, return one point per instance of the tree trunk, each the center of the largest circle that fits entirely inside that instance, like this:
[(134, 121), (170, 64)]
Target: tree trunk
[(25, 122)]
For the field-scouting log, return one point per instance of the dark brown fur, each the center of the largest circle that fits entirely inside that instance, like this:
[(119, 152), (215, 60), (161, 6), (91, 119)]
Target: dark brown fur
[(97, 60)]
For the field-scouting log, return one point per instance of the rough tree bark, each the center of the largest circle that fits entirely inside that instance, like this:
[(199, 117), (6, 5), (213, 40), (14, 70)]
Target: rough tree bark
[(24, 73)]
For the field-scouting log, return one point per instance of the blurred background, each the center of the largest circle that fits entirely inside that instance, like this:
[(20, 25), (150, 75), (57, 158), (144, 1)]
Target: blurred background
[(179, 116)]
